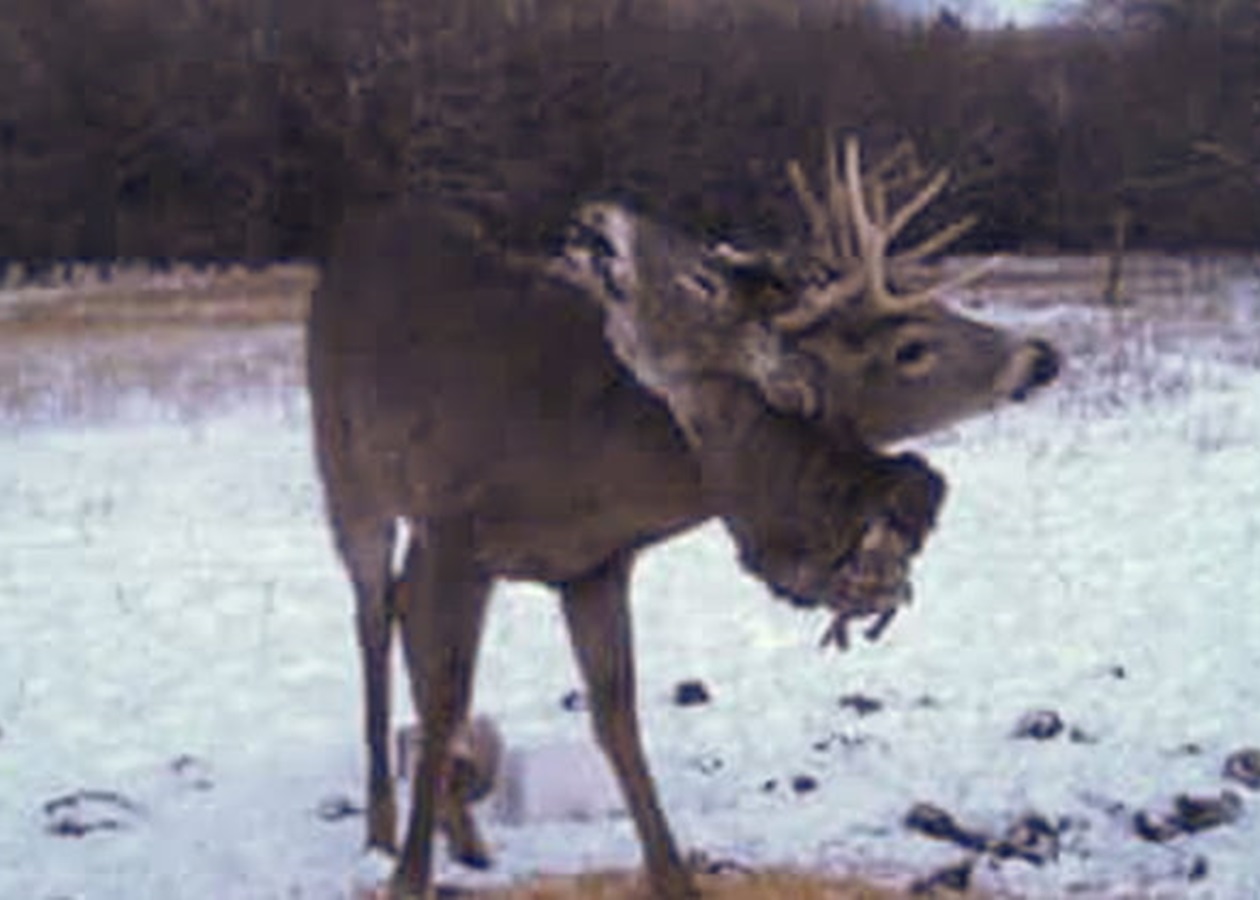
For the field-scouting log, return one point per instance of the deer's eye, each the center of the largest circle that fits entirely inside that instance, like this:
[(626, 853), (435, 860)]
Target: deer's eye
[(914, 356), (911, 352)]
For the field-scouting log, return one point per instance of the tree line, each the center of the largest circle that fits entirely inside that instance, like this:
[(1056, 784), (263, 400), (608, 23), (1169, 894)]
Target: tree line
[(245, 129)]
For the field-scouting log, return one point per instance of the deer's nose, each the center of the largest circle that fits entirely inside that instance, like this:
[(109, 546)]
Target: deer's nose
[(1041, 366)]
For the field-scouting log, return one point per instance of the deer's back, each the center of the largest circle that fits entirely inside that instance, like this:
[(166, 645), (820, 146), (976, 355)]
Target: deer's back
[(446, 384)]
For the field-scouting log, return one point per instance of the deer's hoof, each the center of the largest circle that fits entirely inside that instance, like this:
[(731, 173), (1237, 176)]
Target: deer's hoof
[(477, 857)]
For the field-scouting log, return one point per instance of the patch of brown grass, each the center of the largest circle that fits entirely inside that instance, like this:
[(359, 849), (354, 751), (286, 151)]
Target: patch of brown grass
[(774, 885), (185, 342), (138, 297)]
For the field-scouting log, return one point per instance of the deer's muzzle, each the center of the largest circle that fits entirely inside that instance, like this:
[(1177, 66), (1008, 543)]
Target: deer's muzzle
[(1034, 366)]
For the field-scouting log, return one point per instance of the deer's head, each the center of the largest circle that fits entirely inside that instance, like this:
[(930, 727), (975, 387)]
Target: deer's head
[(824, 330)]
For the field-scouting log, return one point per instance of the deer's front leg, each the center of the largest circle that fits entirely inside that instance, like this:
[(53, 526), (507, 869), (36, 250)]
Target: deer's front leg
[(598, 616)]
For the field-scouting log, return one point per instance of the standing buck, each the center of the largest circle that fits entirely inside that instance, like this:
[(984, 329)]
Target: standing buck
[(474, 398)]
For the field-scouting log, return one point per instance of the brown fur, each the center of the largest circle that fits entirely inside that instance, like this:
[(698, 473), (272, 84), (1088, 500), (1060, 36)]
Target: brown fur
[(785, 421), (477, 400)]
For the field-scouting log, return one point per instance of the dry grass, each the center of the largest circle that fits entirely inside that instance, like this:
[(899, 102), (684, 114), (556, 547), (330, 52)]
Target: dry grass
[(780, 885), (181, 343), (185, 342), (134, 295)]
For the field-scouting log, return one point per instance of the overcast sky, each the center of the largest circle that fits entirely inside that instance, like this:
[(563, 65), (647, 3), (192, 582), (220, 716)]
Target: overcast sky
[(1024, 10), (991, 12)]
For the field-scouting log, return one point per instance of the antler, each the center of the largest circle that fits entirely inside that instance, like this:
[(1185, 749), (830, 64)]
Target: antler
[(853, 237)]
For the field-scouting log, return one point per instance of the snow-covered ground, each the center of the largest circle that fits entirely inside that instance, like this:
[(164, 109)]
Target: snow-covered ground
[(175, 641)]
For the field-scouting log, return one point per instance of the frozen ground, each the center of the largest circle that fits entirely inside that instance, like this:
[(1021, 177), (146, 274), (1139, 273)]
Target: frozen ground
[(175, 636)]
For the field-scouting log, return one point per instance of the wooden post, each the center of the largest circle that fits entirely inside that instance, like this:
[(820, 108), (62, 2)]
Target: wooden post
[(1121, 219)]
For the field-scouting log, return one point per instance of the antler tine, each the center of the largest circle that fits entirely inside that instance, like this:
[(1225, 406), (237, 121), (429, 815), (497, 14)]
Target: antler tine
[(937, 242), (926, 195), (903, 152), (815, 211), (879, 204), (829, 217), (832, 233), (969, 275), (852, 223), (886, 178), (900, 167), (845, 241), (872, 240), (961, 280), (853, 187)]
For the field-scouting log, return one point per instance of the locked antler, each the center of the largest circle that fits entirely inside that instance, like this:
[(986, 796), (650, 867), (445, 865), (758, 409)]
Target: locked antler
[(852, 230)]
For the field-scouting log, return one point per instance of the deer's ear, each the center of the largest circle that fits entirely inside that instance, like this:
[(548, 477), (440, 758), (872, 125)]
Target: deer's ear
[(582, 236), (599, 241)]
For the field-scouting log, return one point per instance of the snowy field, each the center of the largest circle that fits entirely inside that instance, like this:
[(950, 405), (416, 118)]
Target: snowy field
[(178, 689)]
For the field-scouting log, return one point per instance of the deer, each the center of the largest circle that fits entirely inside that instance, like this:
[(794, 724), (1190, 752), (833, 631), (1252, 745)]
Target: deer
[(479, 415), (685, 332)]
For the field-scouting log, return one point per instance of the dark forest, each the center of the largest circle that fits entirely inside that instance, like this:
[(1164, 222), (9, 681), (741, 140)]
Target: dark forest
[(243, 129)]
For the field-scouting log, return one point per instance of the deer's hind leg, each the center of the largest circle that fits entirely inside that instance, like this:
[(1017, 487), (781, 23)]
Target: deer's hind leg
[(441, 601), (597, 611)]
